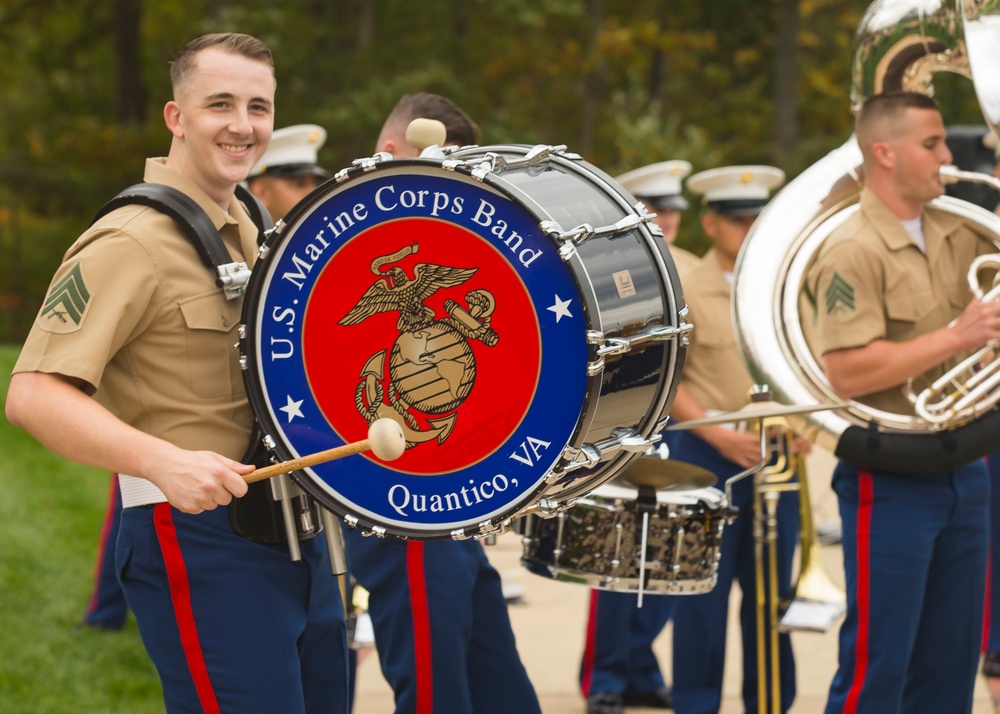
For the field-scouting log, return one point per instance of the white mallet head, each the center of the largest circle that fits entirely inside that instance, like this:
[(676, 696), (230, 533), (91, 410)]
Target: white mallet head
[(422, 133), (385, 436)]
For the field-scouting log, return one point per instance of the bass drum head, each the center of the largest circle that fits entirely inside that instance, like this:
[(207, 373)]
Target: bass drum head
[(434, 299)]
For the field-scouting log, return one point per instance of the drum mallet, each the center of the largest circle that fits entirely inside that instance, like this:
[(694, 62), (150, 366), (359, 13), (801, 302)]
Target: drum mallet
[(385, 440), (422, 133)]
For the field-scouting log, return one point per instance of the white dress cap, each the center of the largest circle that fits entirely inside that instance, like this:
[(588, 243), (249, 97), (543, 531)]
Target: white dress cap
[(736, 190), (293, 152), (659, 183)]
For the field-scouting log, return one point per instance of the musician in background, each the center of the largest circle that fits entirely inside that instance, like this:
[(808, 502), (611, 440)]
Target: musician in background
[(658, 186), (892, 303), (442, 630), (285, 174), (619, 668), (716, 380), (289, 170)]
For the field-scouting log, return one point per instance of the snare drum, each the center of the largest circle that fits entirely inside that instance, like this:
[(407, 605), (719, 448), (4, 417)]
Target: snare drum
[(597, 542), (512, 308)]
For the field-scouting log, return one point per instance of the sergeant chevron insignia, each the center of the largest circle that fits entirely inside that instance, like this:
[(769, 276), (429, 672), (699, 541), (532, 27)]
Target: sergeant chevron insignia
[(839, 294), (66, 304)]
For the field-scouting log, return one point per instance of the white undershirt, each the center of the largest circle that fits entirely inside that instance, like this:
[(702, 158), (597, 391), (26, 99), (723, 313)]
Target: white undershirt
[(915, 227)]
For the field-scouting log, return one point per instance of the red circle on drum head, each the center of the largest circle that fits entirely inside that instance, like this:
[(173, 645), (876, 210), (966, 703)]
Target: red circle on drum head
[(440, 335)]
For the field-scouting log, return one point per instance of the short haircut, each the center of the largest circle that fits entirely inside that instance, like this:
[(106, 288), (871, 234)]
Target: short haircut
[(232, 42), (879, 115), (461, 130)]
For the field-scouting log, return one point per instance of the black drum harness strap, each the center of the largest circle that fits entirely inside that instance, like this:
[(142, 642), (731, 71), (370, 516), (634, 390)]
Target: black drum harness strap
[(273, 511)]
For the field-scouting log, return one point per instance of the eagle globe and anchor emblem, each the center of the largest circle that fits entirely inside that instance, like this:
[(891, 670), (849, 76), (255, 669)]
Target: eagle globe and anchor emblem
[(431, 366)]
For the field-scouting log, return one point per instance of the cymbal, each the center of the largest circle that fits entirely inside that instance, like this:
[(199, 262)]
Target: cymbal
[(755, 410), (667, 474)]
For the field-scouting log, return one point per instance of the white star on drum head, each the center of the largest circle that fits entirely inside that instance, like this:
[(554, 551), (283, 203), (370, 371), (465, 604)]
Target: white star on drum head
[(292, 409), (561, 309)]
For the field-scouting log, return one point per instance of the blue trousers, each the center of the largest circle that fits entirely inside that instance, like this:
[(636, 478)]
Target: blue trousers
[(233, 626), (106, 606), (700, 621), (618, 654), (442, 630), (993, 633), (915, 550)]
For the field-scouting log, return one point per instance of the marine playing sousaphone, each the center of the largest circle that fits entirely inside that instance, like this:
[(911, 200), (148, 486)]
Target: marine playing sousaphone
[(899, 45)]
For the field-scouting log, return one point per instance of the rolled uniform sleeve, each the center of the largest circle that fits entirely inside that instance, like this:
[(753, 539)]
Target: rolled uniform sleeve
[(848, 292), (97, 302)]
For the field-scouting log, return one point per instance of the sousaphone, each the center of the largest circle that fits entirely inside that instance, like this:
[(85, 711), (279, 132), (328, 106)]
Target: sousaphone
[(900, 44)]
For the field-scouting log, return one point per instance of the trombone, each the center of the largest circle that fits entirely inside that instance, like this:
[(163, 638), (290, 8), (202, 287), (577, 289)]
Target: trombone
[(769, 483), (815, 602)]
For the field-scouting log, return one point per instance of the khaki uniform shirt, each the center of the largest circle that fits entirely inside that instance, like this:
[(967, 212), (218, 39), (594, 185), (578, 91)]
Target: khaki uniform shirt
[(684, 260), (133, 312), (870, 281), (714, 372)]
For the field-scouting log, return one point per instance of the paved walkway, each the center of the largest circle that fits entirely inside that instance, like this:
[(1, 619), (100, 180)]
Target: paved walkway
[(549, 624)]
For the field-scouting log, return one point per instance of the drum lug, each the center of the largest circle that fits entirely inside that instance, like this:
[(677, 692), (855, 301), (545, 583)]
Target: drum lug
[(626, 439), (587, 456), (595, 337), (353, 522), (369, 163), (549, 507)]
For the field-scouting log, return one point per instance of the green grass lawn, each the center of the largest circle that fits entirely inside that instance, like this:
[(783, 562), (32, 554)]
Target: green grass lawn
[(50, 518)]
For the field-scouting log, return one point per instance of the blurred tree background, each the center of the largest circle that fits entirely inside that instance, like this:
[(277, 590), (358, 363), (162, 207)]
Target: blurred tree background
[(83, 83)]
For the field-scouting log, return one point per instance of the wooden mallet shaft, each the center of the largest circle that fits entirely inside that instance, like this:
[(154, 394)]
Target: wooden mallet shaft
[(385, 440), (302, 462)]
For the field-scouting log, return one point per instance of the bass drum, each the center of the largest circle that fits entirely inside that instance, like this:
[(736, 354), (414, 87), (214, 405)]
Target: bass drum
[(510, 307)]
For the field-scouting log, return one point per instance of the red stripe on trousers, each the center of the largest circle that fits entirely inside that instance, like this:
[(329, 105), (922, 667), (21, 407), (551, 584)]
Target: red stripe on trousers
[(865, 492), (180, 595), (102, 552), (590, 645), (987, 615), (423, 663)]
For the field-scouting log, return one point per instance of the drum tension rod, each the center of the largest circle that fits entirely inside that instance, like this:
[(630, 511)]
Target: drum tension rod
[(575, 237), (589, 455), (535, 161), (622, 345), (645, 504)]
